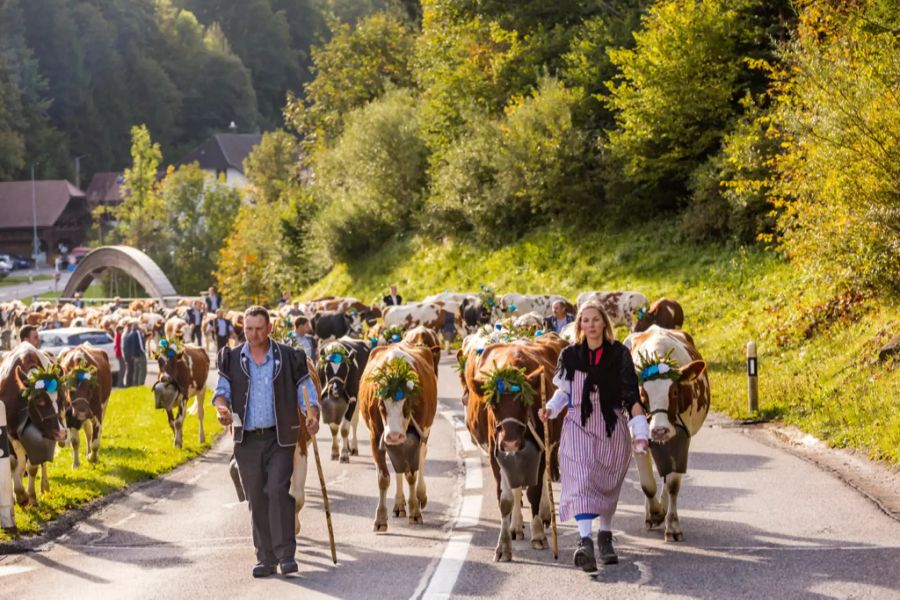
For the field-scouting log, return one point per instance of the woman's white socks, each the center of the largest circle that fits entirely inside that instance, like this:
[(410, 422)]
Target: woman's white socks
[(584, 527)]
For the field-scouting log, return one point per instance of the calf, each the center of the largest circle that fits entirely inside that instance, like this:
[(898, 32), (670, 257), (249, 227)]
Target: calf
[(30, 388), (341, 365), (502, 417), (676, 396), (182, 373), (620, 306), (90, 381), (399, 423), (664, 312)]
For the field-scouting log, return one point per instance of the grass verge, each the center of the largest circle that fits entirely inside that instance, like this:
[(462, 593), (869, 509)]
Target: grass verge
[(19, 279), (818, 364), (136, 444)]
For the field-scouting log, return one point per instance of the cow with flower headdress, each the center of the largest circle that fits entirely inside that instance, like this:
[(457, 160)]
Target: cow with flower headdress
[(340, 367), (30, 389), (675, 395), (505, 391), (398, 401), (89, 382), (183, 369)]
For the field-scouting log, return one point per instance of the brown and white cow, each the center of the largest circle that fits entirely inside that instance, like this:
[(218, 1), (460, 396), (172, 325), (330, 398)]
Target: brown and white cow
[(182, 374), (677, 403), (620, 306), (426, 338), (301, 455), (665, 313), (32, 417), (433, 315), (399, 428), (178, 328), (520, 304), (512, 435), (90, 383)]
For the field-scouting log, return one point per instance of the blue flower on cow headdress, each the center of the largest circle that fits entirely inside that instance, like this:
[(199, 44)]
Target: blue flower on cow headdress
[(392, 334), (42, 379), (169, 349), (641, 312), (397, 380), (335, 353), (507, 380), (80, 372), (652, 366)]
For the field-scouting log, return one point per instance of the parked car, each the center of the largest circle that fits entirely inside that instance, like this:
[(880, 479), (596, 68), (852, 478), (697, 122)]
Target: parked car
[(54, 341), (5, 268), (20, 262)]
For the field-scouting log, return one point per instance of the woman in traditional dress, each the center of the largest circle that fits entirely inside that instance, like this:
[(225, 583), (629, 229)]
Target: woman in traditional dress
[(595, 379)]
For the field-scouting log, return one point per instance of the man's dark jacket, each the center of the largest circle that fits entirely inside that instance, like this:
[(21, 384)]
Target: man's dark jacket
[(289, 370)]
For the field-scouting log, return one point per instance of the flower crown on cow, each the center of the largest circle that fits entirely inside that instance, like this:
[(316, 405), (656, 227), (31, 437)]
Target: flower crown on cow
[(81, 371), (42, 379), (642, 311), (392, 334), (651, 366), (334, 353), (487, 296), (169, 349), (507, 380), (397, 380)]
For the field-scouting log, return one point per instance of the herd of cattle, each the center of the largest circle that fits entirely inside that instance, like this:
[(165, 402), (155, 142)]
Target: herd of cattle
[(383, 365)]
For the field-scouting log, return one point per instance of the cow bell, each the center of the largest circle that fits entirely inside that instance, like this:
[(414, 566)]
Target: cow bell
[(522, 468), (164, 395), (38, 448), (404, 457), (333, 409)]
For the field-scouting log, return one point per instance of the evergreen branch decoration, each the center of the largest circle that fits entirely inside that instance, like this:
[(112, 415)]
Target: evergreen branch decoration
[(42, 379), (507, 380), (652, 366), (397, 380), (169, 349)]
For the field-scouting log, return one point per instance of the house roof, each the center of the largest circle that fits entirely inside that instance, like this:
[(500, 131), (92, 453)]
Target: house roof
[(223, 151), (104, 188), (51, 199)]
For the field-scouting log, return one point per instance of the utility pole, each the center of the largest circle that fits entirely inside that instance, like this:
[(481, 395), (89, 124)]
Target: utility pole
[(36, 246), (78, 170)]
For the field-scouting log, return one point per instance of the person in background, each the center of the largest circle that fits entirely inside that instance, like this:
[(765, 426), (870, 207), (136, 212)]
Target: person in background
[(223, 330), (559, 319), (213, 300), (131, 348), (140, 360), (305, 339), (285, 298), (116, 305), (77, 301), (393, 298), (295, 309), (123, 366), (29, 334), (195, 318)]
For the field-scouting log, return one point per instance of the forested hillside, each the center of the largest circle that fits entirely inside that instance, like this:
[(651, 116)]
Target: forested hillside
[(75, 75)]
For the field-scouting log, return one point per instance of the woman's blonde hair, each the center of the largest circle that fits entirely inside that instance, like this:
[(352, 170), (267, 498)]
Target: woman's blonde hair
[(609, 333)]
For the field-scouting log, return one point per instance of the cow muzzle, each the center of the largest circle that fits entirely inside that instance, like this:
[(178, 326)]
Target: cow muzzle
[(661, 430), (394, 438)]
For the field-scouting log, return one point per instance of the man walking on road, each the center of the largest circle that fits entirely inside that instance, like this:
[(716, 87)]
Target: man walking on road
[(195, 318), (223, 329), (260, 388)]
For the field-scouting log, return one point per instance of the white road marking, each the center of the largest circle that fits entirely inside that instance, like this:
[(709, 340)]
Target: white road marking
[(442, 580), (14, 570)]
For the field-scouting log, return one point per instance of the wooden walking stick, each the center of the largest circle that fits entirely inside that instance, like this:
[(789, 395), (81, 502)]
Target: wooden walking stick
[(547, 453), (315, 446)]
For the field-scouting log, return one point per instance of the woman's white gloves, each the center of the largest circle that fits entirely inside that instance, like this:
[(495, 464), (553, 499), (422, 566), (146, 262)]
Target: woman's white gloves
[(640, 433)]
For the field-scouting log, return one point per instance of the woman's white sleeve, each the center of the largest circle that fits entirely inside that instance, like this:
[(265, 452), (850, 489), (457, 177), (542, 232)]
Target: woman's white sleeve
[(561, 396)]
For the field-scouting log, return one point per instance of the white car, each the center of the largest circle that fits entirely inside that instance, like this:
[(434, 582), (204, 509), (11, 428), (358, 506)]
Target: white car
[(54, 341)]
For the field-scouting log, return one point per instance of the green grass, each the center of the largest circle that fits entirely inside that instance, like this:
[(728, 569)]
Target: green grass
[(19, 279), (830, 385), (136, 444)]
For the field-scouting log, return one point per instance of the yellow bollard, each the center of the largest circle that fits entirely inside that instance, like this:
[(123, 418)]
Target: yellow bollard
[(752, 377)]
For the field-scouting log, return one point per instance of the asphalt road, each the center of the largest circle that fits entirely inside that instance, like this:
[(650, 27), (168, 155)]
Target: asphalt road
[(758, 522), (26, 290)]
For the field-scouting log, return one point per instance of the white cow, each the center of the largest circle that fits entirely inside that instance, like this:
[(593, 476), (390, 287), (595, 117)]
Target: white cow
[(520, 304)]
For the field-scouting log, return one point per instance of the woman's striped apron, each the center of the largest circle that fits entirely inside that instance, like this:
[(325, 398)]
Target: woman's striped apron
[(592, 465)]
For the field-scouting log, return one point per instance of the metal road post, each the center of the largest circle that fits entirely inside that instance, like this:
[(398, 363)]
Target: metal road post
[(752, 378)]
